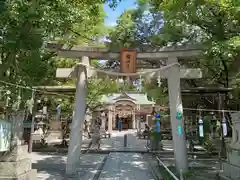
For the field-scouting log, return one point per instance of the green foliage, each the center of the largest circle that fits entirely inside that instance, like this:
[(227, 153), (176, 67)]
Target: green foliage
[(158, 94), (215, 24), (97, 88), (212, 24), (26, 26)]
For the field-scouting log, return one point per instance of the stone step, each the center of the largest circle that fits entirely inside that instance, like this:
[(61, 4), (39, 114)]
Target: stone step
[(15, 168)]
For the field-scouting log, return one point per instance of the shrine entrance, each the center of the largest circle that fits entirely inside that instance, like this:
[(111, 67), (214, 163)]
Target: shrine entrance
[(172, 70), (124, 110), (127, 121)]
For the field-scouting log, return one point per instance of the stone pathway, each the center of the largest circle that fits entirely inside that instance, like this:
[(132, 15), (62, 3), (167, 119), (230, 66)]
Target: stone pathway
[(119, 166), (125, 166), (51, 166)]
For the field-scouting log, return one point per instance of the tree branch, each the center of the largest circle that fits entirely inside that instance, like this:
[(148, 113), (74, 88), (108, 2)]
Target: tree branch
[(80, 35)]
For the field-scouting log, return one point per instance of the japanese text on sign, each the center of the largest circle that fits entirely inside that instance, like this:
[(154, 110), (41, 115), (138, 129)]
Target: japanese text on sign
[(128, 61)]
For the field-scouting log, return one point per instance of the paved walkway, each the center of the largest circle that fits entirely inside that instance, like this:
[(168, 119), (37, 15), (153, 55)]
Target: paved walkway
[(126, 166), (51, 166), (119, 166)]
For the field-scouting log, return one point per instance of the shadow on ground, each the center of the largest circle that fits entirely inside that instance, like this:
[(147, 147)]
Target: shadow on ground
[(126, 166), (51, 165)]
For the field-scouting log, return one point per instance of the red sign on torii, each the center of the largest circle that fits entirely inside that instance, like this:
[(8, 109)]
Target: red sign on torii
[(128, 60)]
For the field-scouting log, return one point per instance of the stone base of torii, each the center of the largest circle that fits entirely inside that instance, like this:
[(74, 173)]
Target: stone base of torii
[(171, 72)]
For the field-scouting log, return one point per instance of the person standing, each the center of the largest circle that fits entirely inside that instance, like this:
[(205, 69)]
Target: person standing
[(120, 124)]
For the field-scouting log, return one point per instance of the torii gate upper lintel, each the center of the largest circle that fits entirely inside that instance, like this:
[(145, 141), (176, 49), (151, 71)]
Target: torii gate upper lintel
[(172, 72), (105, 53)]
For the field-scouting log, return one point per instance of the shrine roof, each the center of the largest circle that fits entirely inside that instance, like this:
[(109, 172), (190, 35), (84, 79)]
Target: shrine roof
[(135, 97)]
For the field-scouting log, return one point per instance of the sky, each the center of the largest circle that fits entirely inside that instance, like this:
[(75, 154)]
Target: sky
[(112, 15)]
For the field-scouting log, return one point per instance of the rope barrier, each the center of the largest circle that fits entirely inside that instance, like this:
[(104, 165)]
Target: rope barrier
[(111, 73), (206, 110), (165, 107), (33, 89)]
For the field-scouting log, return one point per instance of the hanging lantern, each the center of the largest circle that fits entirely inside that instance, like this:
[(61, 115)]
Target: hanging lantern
[(59, 109), (224, 126), (200, 126)]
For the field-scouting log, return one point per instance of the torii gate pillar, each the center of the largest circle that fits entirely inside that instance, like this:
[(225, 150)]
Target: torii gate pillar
[(177, 124), (75, 143)]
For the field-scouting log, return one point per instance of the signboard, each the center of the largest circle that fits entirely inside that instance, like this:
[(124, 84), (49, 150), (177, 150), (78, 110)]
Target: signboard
[(128, 61)]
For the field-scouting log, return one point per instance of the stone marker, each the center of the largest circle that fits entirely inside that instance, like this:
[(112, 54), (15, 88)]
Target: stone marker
[(16, 164)]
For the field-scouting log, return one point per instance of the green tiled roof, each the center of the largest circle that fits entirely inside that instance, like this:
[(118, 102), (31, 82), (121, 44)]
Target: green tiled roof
[(137, 98)]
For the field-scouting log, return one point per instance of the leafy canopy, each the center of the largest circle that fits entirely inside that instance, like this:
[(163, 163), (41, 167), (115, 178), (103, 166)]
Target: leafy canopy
[(213, 24), (26, 26)]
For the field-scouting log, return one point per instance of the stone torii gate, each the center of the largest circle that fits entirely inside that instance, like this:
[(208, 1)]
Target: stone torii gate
[(171, 71)]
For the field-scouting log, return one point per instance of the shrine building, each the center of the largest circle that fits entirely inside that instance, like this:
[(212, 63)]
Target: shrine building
[(133, 108)]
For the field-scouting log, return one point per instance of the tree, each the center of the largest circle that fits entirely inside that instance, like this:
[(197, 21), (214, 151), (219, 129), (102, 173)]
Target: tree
[(27, 25), (213, 24), (97, 89)]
